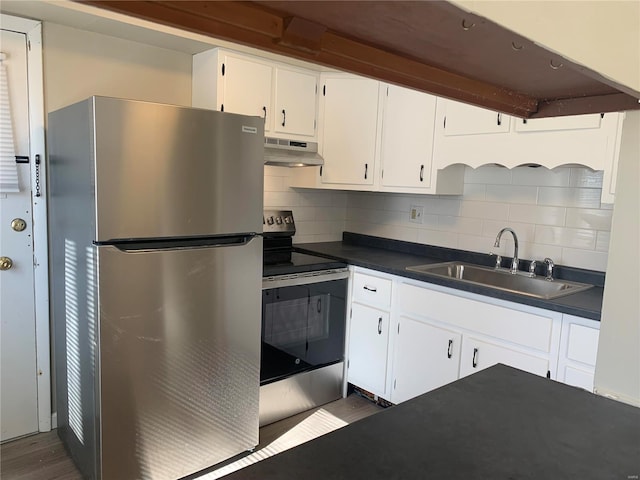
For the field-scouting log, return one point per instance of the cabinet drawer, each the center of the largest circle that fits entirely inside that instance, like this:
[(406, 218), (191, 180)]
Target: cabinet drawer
[(372, 290), (523, 328)]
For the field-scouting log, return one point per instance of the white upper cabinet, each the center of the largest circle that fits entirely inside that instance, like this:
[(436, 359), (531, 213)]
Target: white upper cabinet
[(408, 120), (572, 122), (377, 137), (349, 115), (476, 136), (285, 96), (463, 119), (246, 88), (407, 137), (295, 102)]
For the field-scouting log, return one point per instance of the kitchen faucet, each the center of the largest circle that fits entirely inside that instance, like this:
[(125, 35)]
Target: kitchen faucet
[(514, 263)]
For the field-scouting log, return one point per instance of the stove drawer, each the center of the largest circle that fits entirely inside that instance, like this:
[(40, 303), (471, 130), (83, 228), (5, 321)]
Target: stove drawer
[(372, 290)]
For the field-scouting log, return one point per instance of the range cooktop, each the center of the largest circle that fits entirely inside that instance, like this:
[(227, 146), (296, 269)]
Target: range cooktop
[(280, 256)]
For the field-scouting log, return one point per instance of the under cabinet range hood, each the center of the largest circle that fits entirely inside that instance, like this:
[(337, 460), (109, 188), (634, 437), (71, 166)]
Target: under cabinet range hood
[(291, 153)]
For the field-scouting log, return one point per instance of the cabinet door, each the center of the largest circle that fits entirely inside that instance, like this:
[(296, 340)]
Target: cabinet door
[(407, 138), (578, 351), (426, 357), (480, 354), (295, 102), (368, 342), (463, 119), (571, 122), (247, 88), (349, 130)]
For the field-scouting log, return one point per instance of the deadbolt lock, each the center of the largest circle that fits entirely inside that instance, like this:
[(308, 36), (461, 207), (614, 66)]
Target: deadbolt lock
[(18, 224), (5, 263)]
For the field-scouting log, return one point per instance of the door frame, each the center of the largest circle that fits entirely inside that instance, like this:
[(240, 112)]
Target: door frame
[(33, 31)]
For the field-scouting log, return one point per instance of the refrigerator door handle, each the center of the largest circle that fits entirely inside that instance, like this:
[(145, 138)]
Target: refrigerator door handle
[(132, 246)]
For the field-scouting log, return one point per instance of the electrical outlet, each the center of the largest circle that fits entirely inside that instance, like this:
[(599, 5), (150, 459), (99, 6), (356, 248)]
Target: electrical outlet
[(415, 213)]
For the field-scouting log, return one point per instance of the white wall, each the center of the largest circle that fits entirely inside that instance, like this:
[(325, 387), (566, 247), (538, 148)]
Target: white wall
[(78, 64), (618, 362), (556, 213)]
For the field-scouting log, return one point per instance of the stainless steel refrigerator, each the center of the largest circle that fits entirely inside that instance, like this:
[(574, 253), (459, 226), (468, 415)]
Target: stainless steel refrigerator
[(156, 283)]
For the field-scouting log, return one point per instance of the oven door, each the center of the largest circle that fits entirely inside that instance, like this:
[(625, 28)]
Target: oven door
[(303, 323)]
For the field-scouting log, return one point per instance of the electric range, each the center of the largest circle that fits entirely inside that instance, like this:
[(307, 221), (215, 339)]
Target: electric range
[(303, 324)]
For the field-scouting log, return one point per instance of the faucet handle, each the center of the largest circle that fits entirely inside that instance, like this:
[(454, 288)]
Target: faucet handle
[(532, 268), (498, 259), (550, 266)]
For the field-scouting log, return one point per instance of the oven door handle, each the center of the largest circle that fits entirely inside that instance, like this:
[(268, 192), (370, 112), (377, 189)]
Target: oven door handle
[(306, 278)]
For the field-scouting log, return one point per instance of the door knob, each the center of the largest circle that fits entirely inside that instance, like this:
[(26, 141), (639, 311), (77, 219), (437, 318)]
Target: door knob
[(5, 263), (18, 224)]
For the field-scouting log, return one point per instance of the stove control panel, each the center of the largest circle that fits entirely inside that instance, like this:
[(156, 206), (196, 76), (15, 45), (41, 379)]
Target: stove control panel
[(278, 223)]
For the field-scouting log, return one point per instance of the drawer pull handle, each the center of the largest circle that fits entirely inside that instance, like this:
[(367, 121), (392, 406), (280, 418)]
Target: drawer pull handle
[(422, 173), (371, 289), (380, 326), (449, 350), (474, 361)]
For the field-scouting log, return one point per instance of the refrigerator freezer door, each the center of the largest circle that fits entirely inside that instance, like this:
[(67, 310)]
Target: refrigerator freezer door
[(180, 352), (163, 171)]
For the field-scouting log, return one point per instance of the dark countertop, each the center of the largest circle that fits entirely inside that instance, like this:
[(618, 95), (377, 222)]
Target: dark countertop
[(392, 256), (498, 424)]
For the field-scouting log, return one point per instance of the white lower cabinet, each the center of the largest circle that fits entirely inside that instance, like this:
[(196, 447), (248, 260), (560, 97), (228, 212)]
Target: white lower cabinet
[(368, 344), (409, 337), (480, 354), (426, 357), (578, 351)]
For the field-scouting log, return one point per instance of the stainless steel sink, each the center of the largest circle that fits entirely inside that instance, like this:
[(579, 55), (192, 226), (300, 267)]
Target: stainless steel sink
[(521, 283)]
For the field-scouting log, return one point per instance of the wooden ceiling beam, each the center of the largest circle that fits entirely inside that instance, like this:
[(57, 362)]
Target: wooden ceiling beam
[(257, 26)]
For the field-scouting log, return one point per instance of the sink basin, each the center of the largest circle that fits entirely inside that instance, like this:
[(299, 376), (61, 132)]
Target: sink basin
[(522, 283)]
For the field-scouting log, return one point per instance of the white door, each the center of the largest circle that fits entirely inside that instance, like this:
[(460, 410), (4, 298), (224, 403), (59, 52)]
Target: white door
[(247, 88), (295, 102), (350, 128), (463, 119), (368, 341), (426, 357), (478, 355), (18, 375), (407, 138)]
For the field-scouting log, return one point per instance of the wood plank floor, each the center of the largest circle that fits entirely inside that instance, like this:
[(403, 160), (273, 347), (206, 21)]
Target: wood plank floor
[(43, 457)]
